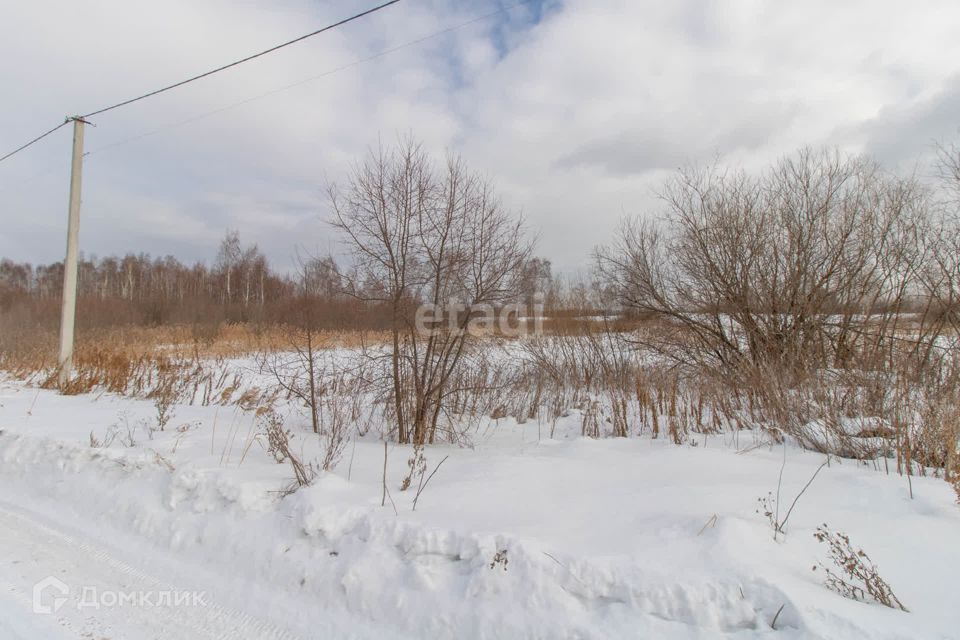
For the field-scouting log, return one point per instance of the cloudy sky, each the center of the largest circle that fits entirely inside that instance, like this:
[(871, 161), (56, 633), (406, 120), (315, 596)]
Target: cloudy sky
[(576, 109)]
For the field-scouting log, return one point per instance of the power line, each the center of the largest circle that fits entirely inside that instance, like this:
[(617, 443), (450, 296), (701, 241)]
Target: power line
[(209, 73), (350, 65), (320, 76), (247, 59), (355, 63), (35, 140)]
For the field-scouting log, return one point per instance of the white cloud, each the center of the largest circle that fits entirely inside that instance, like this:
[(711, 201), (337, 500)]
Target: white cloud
[(576, 116)]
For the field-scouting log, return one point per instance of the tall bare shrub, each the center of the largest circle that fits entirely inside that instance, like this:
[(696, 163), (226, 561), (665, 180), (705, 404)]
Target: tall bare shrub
[(419, 234), (796, 288)]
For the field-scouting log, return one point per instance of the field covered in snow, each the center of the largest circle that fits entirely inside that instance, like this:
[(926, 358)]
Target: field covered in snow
[(735, 414), (515, 535)]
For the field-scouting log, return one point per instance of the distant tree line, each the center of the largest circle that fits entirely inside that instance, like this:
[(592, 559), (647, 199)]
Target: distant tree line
[(239, 286)]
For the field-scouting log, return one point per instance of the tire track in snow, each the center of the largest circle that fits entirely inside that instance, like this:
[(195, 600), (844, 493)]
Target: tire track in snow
[(32, 549)]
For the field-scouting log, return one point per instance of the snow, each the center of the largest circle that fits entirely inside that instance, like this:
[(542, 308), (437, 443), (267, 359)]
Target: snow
[(602, 538)]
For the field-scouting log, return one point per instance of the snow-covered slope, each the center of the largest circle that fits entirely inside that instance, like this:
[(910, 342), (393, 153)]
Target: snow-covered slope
[(518, 537)]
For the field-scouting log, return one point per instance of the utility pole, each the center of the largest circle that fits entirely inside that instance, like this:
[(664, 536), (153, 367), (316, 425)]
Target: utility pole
[(69, 313)]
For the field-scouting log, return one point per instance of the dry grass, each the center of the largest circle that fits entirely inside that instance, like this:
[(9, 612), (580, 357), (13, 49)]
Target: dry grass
[(36, 350), (181, 362), (223, 341), (853, 574), (618, 389)]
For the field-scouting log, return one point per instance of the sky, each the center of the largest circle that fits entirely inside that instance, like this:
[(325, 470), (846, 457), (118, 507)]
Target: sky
[(575, 109)]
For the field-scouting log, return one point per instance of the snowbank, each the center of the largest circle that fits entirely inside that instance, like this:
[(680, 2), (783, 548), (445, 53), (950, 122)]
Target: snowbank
[(519, 537)]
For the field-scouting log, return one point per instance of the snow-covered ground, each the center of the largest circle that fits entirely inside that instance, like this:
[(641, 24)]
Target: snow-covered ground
[(517, 537)]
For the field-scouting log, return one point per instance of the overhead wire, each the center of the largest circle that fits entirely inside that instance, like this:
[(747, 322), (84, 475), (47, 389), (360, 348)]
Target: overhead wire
[(242, 60), (320, 76), (204, 75), (34, 141)]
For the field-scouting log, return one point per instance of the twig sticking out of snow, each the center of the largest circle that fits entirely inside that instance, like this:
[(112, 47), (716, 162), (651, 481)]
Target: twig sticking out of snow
[(423, 484), (353, 451), (383, 500), (802, 491), (770, 506), (386, 491), (213, 433), (773, 623), (575, 576), (711, 522)]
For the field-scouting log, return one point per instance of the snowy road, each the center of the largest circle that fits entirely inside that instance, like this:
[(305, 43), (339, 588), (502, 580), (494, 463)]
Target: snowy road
[(99, 596)]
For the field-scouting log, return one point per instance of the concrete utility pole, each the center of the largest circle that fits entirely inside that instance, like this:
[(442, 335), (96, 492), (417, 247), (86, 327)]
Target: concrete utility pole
[(69, 313)]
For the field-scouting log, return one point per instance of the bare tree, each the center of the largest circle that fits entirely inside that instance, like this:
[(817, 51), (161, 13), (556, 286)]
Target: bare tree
[(805, 291), (784, 267), (297, 370), (321, 278), (429, 236), (943, 278), (228, 256)]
